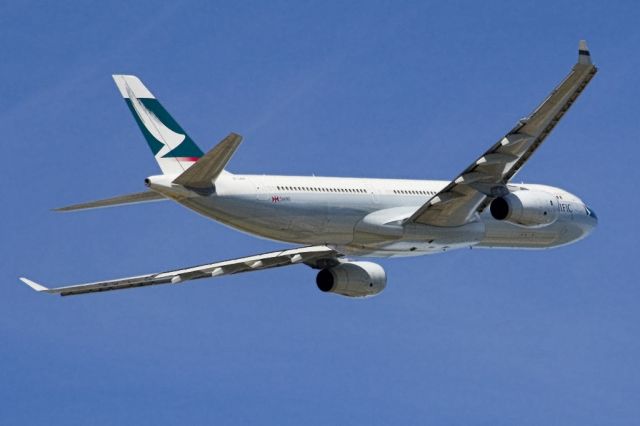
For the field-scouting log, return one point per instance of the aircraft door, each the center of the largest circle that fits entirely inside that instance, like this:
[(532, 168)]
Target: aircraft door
[(375, 194)]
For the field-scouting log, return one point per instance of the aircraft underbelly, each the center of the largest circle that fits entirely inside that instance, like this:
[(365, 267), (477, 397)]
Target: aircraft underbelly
[(507, 235), (296, 223), (351, 230)]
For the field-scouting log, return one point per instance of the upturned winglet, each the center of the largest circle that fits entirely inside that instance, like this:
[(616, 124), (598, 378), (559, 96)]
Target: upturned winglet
[(34, 285), (584, 56)]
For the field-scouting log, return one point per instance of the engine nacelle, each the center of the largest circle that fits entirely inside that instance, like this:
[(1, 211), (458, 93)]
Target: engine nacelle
[(525, 208), (353, 279)]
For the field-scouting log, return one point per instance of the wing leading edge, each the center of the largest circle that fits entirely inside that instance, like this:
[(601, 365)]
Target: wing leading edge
[(314, 256), (486, 178)]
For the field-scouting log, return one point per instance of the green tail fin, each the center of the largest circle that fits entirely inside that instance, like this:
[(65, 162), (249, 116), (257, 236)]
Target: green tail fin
[(172, 147)]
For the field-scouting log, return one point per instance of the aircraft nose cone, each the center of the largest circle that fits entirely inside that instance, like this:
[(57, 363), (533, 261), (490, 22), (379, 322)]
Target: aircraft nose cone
[(590, 223), (592, 214)]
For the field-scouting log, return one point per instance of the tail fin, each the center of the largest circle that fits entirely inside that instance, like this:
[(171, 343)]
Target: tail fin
[(172, 147)]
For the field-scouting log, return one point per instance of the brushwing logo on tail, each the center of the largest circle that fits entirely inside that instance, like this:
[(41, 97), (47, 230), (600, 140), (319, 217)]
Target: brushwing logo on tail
[(170, 144), (156, 128)]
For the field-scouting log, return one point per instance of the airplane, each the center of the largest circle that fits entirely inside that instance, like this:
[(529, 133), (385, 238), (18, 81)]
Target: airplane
[(336, 219)]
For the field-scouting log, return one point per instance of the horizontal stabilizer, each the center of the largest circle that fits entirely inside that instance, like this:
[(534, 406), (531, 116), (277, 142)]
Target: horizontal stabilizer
[(138, 197), (207, 169)]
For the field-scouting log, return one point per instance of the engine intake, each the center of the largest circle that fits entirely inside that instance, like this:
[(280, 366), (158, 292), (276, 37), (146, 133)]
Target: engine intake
[(353, 279), (525, 208)]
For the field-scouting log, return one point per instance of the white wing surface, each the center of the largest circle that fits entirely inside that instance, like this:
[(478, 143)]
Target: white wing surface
[(314, 256), (486, 178)]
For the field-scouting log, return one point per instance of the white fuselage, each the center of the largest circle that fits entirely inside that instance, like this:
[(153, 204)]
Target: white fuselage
[(363, 217)]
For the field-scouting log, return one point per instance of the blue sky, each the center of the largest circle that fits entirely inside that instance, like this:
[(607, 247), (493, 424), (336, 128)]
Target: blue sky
[(379, 89)]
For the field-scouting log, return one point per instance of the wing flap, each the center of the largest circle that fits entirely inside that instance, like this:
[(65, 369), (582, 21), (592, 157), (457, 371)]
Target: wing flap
[(315, 256)]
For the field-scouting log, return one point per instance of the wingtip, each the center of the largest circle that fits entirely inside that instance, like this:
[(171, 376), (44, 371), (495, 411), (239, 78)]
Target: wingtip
[(584, 56), (65, 209), (34, 285)]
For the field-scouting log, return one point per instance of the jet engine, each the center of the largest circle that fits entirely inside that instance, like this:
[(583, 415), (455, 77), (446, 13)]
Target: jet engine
[(353, 279), (526, 208)]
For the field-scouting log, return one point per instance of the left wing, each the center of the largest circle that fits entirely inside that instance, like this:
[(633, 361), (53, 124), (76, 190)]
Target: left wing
[(314, 256), (487, 177)]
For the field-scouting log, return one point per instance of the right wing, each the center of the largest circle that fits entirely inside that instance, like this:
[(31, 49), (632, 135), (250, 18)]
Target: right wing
[(314, 256), (487, 177)]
